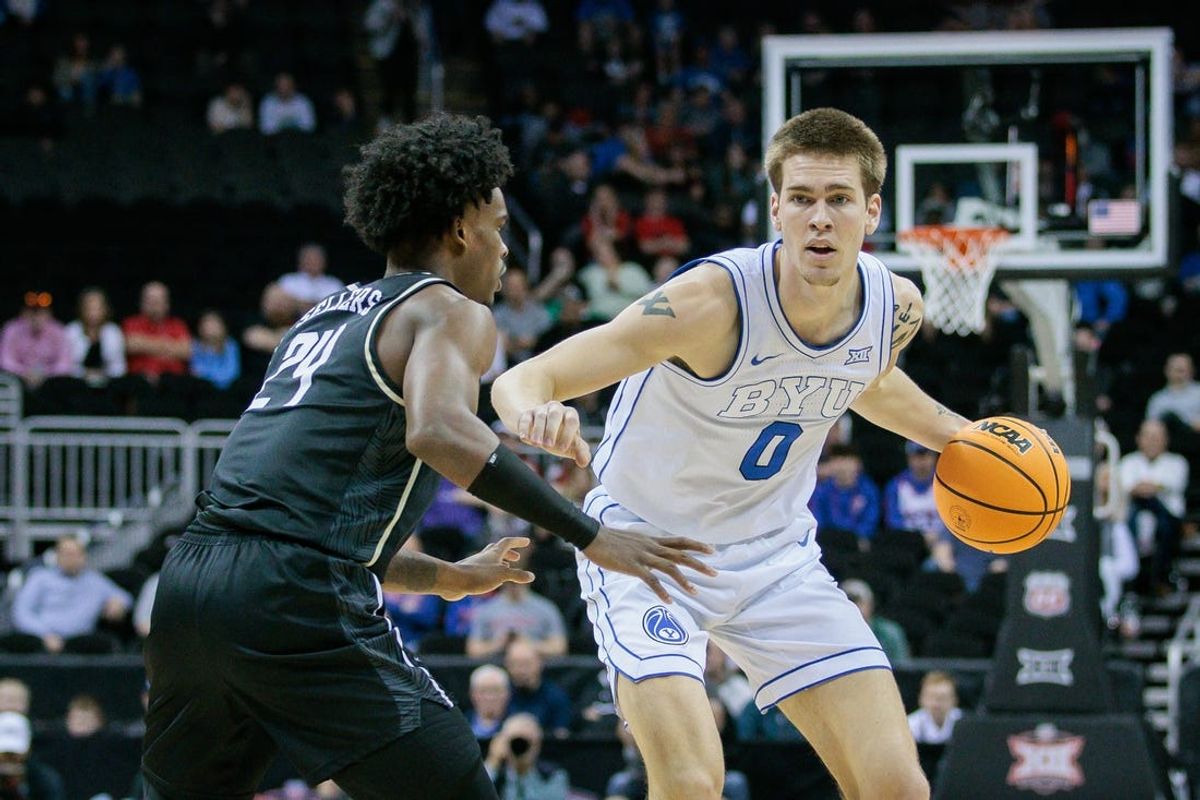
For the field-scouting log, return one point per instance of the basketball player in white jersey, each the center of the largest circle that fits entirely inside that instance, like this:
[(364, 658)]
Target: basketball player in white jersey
[(731, 375)]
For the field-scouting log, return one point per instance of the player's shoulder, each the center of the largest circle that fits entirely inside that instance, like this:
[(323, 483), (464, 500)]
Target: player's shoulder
[(907, 294), (710, 285)]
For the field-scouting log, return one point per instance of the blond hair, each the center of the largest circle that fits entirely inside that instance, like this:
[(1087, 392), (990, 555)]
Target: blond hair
[(828, 131)]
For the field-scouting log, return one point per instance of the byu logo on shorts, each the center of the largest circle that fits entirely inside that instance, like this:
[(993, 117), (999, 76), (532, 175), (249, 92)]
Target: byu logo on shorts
[(661, 626)]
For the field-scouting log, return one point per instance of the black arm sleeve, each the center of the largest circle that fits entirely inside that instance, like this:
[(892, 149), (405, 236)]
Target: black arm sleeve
[(506, 482)]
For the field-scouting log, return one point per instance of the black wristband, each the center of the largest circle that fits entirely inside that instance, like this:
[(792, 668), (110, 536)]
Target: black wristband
[(508, 483)]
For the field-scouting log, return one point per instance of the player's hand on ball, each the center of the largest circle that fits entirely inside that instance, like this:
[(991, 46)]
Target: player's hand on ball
[(642, 556), (554, 428), (488, 569)]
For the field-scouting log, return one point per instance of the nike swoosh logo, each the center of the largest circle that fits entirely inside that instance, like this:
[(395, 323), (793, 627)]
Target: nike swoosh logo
[(804, 541), (755, 360)]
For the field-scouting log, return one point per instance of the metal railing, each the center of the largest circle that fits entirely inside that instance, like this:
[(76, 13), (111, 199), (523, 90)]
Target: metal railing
[(1182, 652), (61, 474)]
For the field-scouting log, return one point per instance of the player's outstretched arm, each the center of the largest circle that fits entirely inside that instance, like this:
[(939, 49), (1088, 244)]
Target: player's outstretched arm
[(894, 401), (411, 571), (688, 318), (437, 346)]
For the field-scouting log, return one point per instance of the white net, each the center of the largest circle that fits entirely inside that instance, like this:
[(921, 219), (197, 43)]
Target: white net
[(957, 265)]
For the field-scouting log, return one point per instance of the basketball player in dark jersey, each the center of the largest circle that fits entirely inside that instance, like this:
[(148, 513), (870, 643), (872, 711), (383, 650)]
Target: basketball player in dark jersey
[(267, 632)]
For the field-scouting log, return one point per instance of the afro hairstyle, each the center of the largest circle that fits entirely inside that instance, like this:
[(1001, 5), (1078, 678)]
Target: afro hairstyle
[(412, 181)]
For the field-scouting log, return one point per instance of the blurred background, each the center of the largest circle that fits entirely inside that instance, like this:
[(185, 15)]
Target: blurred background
[(170, 202)]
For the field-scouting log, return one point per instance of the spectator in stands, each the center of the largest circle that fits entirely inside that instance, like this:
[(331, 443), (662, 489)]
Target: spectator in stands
[(605, 19), (516, 21), (85, 716), (728, 60), (38, 118), (309, 283), (26, 12), (1118, 553), (938, 711), (520, 318), (231, 110), (490, 693), (1102, 304), (34, 345), (1154, 482), (566, 195), (286, 109), (532, 693), (144, 606), (847, 499), (516, 612), (118, 81), (215, 354), (515, 767), (606, 217), (909, 496), (610, 282), (667, 28), (277, 311), (891, 636), (398, 37), (96, 342), (22, 776), (14, 696), (572, 318), (1178, 403), (343, 108), (658, 232), (59, 607), (75, 73), (155, 342)]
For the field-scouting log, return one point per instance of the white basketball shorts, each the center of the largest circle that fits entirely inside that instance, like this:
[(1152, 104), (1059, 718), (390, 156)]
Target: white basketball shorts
[(772, 607)]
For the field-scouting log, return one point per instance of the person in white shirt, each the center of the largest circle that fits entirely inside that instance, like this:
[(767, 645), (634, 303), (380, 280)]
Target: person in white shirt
[(96, 342), (309, 283), (286, 109), (513, 20), (230, 110), (933, 722), (1153, 482), (1178, 403)]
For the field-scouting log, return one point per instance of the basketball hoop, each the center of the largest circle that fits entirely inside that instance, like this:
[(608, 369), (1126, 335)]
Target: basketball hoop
[(957, 264)]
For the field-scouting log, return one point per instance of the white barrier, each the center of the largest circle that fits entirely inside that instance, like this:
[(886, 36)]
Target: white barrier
[(60, 474)]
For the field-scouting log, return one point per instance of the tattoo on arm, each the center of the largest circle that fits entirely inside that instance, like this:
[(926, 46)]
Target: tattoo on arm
[(942, 411), (413, 573), (905, 324), (658, 305)]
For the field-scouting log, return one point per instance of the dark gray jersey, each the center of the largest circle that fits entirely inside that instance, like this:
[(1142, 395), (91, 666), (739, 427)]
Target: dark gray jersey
[(319, 456)]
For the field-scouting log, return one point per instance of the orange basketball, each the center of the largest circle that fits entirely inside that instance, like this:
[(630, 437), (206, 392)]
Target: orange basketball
[(1002, 485)]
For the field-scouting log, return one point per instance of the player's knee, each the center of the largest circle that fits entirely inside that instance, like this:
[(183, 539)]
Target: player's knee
[(691, 784)]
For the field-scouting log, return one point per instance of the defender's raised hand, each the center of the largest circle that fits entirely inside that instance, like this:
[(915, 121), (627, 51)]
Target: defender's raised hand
[(642, 556)]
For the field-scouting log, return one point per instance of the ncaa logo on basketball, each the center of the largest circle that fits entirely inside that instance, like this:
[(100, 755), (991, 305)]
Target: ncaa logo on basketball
[(661, 626), (1046, 760), (1010, 435), (1047, 594)]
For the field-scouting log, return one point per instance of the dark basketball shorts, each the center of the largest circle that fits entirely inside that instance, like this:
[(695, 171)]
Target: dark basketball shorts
[(260, 645)]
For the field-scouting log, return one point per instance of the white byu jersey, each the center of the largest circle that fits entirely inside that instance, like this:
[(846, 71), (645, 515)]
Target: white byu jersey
[(735, 457)]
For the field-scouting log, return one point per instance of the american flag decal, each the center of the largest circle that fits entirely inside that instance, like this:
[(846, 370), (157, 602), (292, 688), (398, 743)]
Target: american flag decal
[(1114, 217)]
